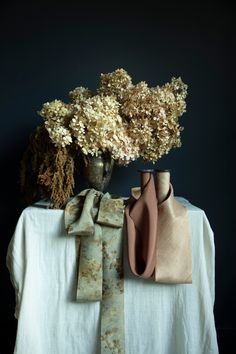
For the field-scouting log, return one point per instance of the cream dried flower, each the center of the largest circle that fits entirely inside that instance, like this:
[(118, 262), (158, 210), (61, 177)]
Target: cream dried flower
[(80, 94), (172, 96), (129, 121), (153, 115), (59, 135), (55, 110), (137, 101), (97, 126), (166, 135), (115, 83), (94, 122), (57, 115)]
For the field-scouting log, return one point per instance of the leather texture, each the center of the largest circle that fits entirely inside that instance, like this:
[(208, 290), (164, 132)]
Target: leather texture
[(158, 237)]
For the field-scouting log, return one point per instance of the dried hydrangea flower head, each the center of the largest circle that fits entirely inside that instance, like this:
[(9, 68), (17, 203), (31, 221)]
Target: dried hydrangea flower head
[(115, 83), (80, 94), (143, 118), (55, 110), (93, 122), (97, 126), (57, 115), (137, 101), (153, 115)]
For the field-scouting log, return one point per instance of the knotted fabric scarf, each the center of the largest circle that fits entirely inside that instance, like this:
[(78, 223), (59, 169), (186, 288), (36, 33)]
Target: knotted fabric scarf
[(97, 220), (164, 225)]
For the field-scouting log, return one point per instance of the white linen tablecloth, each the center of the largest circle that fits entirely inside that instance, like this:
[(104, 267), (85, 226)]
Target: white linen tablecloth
[(159, 319)]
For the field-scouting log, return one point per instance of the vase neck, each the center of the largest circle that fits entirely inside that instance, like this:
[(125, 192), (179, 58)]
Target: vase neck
[(145, 176), (162, 185)]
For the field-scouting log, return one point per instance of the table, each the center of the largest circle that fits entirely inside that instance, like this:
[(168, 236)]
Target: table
[(159, 319)]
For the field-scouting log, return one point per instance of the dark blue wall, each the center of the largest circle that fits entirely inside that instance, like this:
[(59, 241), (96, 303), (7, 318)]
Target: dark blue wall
[(47, 50)]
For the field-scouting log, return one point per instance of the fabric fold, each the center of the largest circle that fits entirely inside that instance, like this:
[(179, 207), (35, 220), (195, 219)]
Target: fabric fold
[(80, 214)]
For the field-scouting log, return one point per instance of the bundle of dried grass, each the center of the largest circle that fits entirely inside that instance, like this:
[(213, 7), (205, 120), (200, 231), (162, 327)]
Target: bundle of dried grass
[(47, 171)]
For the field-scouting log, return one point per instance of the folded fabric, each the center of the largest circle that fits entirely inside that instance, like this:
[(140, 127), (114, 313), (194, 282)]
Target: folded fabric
[(97, 220), (162, 227)]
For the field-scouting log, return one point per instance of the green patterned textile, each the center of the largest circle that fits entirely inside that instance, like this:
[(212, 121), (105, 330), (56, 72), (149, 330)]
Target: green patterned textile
[(97, 220)]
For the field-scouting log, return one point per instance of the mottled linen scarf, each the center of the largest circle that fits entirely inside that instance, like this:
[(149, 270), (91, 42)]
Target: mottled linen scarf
[(158, 236), (97, 220)]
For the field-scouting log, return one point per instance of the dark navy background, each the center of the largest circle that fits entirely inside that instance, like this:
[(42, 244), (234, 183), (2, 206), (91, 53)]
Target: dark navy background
[(48, 49)]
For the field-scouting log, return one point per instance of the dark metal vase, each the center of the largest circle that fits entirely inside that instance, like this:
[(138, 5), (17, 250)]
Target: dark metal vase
[(98, 170)]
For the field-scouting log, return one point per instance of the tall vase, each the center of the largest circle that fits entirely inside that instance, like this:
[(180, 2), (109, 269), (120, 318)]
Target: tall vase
[(98, 170)]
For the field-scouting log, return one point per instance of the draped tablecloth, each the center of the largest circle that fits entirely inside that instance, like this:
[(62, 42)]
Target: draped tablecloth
[(159, 318)]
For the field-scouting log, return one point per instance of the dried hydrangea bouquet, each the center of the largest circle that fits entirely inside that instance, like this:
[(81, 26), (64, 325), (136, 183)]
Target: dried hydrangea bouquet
[(122, 120)]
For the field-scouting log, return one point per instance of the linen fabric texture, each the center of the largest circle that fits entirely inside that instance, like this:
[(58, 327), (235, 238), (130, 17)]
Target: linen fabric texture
[(159, 318)]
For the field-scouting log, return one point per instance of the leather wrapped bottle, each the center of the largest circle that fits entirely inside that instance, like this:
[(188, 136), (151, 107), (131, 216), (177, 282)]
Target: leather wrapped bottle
[(158, 234), (141, 221)]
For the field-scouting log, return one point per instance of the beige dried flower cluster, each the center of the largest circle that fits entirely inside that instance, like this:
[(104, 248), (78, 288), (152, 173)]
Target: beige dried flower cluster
[(128, 121), (57, 116)]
